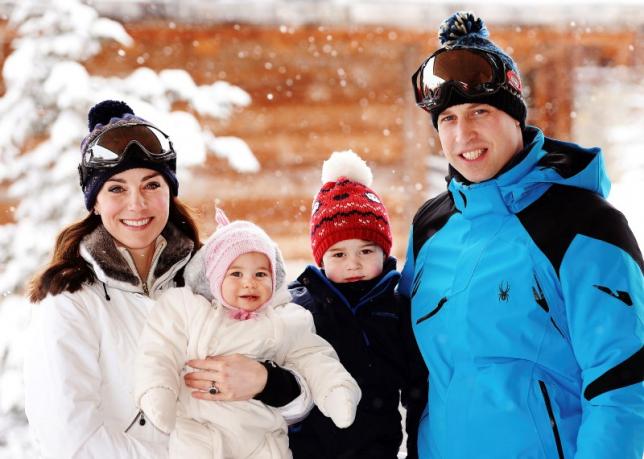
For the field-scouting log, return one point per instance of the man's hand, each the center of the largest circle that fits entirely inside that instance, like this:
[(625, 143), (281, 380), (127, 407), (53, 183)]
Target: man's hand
[(235, 376)]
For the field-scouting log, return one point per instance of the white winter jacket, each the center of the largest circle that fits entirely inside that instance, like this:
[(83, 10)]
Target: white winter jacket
[(187, 326), (78, 367)]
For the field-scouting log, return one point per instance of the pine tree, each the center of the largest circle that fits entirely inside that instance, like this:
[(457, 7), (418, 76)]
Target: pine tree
[(42, 122)]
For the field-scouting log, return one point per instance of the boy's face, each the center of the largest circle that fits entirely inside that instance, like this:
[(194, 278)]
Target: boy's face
[(248, 283), (353, 260)]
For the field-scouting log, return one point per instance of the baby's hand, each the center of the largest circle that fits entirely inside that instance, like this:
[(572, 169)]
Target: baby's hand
[(340, 405), (160, 406)]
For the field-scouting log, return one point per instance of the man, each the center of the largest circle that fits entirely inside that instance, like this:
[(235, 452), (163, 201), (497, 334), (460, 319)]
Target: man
[(526, 285)]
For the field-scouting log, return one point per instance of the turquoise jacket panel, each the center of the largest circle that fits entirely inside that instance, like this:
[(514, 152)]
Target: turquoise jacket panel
[(527, 294)]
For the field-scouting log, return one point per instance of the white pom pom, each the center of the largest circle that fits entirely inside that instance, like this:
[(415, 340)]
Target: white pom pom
[(346, 164)]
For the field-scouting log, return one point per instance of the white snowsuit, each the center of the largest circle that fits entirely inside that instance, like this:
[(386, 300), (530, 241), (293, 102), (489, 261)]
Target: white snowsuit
[(186, 326)]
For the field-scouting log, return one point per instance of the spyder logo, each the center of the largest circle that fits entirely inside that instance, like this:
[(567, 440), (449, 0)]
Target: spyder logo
[(504, 291)]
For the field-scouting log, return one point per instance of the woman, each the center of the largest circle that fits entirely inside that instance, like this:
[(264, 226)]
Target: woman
[(96, 293)]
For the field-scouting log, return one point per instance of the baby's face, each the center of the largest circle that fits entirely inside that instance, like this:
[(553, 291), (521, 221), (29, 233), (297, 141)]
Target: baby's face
[(353, 260), (248, 283)]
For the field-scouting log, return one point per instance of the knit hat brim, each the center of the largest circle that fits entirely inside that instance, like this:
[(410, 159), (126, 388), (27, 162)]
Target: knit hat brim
[(342, 234), (502, 99), (135, 160)]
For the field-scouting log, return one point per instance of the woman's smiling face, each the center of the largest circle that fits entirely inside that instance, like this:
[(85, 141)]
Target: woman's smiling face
[(134, 206)]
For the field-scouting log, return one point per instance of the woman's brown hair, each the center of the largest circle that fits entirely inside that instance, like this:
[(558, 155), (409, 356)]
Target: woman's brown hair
[(67, 270)]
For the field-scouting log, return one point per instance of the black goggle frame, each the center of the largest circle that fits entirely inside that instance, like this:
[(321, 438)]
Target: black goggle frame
[(90, 161), (494, 75)]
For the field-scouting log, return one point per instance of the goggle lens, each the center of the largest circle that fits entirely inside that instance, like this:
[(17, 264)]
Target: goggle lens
[(110, 147), (473, 73), (103, 154)]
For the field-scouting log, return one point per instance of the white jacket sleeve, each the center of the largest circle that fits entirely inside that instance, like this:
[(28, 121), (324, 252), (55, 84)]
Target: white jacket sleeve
[(62, 388), (299, 408), (314, 358)]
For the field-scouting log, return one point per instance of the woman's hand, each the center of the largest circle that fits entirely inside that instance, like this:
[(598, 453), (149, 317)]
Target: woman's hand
[(235, 377)]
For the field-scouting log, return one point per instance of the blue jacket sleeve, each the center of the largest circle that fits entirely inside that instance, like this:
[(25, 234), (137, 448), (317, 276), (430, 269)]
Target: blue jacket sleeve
[(603, 291)]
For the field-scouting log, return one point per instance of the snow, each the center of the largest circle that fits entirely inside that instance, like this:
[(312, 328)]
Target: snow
[(626, 194), (403, 13), (50, 100), (609, 107), (14, 319), (242, 160)]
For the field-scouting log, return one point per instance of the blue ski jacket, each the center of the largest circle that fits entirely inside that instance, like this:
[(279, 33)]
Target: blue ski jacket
[(527, 304)]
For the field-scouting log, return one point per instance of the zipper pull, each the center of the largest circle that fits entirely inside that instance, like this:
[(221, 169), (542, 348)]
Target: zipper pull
[(145, 289), (138, 416), (142, 419)]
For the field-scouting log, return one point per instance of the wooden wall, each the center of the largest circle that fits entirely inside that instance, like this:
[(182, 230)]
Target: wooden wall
[(319, 89)]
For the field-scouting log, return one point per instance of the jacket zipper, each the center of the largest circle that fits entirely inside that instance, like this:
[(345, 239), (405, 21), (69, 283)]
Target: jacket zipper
[(551, 415), (139, 417), (155, 258)]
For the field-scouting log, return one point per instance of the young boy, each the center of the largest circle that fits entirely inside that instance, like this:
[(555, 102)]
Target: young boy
[(355, 308)]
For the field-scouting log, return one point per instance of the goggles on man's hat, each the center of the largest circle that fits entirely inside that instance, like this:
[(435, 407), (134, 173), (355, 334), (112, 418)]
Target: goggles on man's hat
[(472, 72), (111, 146)]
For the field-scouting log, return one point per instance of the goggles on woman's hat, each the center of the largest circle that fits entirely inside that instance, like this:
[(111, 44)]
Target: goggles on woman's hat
[(111, 146)]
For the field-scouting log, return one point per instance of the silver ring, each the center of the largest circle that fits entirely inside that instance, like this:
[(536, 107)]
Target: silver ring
[(213, 389)]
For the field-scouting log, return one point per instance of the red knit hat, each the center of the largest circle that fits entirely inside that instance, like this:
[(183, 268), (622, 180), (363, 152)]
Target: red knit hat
[(346, 208)]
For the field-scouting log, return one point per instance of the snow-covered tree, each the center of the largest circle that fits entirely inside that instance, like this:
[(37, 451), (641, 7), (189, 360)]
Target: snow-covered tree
[(42, 122), (48, 95)]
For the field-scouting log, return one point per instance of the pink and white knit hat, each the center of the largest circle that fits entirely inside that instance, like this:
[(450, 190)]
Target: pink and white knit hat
[(228, 242)]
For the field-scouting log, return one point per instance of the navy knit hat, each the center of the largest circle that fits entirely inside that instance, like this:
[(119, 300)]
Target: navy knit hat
[(108, 114), (465, 30)]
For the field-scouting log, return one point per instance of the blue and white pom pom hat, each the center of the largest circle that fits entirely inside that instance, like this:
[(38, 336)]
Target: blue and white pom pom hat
[(465, 31)]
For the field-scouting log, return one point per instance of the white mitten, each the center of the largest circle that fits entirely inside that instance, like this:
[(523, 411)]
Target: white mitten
[(340, 405), (160, 406)]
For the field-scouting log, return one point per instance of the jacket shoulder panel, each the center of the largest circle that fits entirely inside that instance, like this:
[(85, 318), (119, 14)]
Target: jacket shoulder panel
[(565, 158), (562, 213), (309, 289), (430, 218), (300, 295)]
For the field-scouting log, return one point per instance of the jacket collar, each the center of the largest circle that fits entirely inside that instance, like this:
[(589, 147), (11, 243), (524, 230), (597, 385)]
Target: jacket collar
[(318, 284), (114, 266), (542, 163)]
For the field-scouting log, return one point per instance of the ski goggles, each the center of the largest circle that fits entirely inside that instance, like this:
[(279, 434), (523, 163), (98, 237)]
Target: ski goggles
[(110, 147), (472, 72)]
